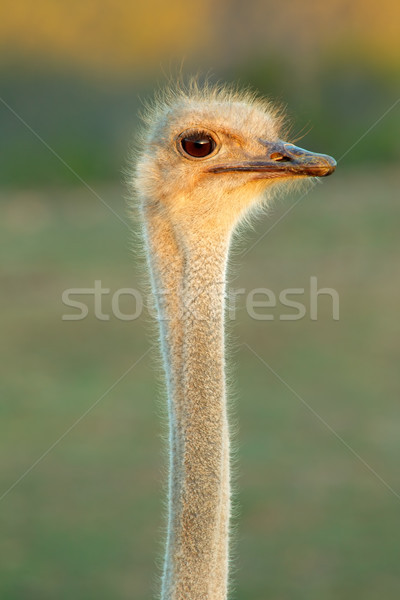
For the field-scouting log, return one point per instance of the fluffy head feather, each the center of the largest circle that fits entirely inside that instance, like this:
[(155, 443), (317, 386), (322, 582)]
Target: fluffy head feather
[(213, 191)]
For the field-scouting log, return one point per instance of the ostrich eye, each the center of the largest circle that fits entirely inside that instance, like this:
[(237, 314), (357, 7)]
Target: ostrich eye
[(198, 145)]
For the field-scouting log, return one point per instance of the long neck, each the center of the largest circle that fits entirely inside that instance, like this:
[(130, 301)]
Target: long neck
[(191, 276)]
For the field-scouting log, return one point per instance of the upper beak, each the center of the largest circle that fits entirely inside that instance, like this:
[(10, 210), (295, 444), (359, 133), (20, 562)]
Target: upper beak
[(283, 159)]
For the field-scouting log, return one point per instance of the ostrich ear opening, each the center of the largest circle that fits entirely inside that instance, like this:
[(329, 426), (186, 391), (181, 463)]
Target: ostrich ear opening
[(283, 159)]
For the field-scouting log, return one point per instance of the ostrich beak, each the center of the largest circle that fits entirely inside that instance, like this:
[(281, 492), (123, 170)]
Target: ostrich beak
[(283, 159)]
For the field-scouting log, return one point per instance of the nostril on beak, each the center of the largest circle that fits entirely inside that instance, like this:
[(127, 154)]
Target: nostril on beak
[(279, 157)]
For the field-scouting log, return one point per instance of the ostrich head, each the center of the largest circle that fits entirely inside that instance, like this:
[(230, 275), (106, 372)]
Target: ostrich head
[(211, 154)]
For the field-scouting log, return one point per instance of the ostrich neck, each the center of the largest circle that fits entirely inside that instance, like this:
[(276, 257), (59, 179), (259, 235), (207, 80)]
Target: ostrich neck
[(191, 278)]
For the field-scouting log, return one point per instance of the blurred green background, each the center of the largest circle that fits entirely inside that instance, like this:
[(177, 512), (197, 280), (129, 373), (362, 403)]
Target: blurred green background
[(82, 516)]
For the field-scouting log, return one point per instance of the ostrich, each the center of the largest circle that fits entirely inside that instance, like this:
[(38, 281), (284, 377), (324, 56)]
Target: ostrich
[(207, 157)]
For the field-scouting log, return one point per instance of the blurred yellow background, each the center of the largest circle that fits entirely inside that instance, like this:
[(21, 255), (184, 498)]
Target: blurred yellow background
[(120, 36), (81, 469)]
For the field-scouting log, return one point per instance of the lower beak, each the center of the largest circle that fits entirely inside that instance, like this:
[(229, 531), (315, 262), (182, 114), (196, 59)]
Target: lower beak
[(283, 159)]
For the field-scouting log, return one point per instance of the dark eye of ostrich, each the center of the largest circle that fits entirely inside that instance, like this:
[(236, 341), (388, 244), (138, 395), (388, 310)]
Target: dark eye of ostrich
[(198, 145)]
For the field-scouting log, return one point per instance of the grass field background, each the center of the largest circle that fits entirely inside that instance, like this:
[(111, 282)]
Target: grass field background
[(313, 521)]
